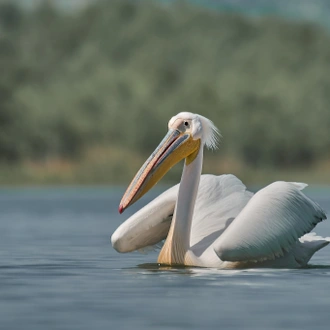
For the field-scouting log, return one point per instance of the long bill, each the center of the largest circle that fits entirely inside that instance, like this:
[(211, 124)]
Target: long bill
[(174, 147)]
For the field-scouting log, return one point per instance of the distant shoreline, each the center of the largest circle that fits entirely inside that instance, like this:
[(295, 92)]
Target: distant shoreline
[(119, 172)]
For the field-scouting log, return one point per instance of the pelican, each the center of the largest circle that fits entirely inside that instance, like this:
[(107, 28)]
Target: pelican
[(213, 221)]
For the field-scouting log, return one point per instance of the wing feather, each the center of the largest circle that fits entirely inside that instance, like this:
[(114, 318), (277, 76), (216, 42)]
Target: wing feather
[(270, 224), (220, 199), (145, 229)]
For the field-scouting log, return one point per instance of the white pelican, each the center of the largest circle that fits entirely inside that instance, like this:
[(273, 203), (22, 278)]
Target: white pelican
[(213, 221)]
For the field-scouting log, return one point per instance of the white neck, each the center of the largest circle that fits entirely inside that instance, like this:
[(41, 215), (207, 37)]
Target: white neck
[(178, 239), (187, 195)]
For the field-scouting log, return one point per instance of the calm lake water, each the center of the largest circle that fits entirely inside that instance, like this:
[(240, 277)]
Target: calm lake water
[(59, 271)]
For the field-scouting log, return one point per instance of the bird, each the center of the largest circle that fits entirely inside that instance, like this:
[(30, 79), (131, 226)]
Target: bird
[(214, 221)]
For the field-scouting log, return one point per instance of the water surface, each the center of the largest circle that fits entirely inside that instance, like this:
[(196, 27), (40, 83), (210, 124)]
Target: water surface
[(59, 271)]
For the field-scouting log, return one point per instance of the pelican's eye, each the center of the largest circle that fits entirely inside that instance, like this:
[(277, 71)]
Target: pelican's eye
[(186, 124)]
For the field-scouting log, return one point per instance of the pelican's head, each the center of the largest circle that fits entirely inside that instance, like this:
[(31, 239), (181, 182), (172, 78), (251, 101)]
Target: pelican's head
[(187, 134)]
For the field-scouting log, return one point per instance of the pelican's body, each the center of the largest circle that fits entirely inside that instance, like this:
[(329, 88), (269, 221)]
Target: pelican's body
[(213, 221)]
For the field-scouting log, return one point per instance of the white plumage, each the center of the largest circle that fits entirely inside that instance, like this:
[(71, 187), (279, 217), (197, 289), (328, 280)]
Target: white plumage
[(270, 224), (225, 226)]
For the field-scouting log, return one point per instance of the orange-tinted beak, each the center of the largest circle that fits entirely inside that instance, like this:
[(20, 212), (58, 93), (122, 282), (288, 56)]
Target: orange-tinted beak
[(174, 147)]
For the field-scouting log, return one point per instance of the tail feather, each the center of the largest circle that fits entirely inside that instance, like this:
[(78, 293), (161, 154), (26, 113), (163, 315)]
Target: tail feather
[(307, 246)]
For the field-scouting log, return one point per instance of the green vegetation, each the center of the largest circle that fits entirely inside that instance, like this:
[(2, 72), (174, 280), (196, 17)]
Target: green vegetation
[(86, 96)]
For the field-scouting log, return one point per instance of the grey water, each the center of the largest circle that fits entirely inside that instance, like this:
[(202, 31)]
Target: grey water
[(59, 271)]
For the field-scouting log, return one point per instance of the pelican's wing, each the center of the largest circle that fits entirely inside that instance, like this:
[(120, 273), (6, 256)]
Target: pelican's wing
[(147, 227), (220, 199), (270, 224)]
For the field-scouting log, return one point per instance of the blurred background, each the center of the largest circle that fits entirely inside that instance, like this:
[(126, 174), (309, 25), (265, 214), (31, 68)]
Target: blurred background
[(87, 87)]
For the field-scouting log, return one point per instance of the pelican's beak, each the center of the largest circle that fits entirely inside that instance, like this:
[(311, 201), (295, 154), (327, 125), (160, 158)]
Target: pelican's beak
[(174, 147)]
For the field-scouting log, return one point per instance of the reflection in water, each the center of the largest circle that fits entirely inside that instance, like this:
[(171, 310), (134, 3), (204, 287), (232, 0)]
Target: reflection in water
[(155, 268)]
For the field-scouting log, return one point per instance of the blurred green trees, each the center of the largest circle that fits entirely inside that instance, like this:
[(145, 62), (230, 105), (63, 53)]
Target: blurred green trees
[(116, 71)]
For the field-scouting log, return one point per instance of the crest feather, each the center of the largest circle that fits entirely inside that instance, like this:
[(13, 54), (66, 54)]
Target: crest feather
[(211, 134)]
